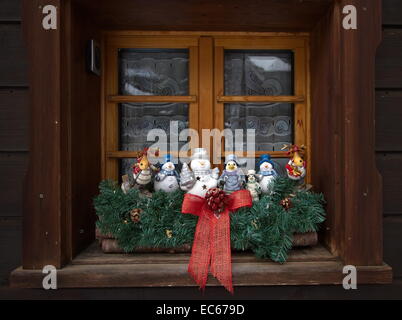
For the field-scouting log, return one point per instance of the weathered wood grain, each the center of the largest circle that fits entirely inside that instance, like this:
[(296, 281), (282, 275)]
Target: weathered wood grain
[(93, 255), (324, 292), (111, 245), (43, 214), (389, 60), (343, 138), (82, 124), (389, 165), (392, 12), (166, 275), (224, 15), (13, 60), (10, 10), (14, 120), (13, 168), (388, 121)]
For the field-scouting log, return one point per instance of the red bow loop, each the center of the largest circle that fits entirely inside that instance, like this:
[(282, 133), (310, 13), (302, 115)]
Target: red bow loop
[(192, 204)]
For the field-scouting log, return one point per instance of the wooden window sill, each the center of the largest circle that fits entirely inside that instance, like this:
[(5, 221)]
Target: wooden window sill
[(95, 269)]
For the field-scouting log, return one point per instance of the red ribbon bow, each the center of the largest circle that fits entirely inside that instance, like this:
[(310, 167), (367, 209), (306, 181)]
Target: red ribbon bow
[(211, 245)]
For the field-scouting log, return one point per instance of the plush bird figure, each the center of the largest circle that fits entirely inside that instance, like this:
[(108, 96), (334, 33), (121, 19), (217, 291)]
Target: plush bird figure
[(296, 167), (253, 185), (232, 178), (267, 174), (167, 179), (143, 170)]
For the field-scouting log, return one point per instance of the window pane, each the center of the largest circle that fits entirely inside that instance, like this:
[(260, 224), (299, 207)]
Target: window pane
[(258, 73), (273, 123), (159, 72), (137, 119)]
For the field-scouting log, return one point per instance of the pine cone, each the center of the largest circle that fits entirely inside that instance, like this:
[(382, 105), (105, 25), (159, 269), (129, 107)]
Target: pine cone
[(135, 215)]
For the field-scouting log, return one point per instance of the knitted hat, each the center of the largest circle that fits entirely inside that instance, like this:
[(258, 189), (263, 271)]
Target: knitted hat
[(232, 157), (265, 158), (168, 158), (200, 153)]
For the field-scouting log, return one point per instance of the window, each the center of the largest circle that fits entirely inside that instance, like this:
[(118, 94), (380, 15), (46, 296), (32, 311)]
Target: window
[(203, 81)]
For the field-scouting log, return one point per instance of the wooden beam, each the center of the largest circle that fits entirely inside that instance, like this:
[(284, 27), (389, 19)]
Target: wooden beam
[(258, 273), (148, 99), (206, 86), (135, 154), (362, 201), (43, 213), (184, 154), (260, 99)]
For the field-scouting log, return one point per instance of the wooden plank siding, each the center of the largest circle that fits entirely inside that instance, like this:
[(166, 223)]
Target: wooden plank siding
[(13, 59), (10, 11), (14, 147), (389, 130), (14, 157), (389, 60)]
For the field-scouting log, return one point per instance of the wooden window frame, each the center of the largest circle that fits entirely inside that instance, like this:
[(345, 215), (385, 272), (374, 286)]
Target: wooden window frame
[(111, 97), (206, 84)]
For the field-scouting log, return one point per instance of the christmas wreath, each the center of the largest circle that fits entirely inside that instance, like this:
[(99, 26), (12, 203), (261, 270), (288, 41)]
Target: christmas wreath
[(156, 221)]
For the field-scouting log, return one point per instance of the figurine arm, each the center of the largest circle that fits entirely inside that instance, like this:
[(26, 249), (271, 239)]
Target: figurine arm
[(215, 173)]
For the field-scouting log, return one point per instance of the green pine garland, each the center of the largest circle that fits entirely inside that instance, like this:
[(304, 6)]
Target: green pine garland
[(267, 228)]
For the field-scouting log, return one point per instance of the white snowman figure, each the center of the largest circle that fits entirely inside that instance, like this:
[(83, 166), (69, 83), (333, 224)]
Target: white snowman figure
[(202, 177), (167, 179), (267, 174)]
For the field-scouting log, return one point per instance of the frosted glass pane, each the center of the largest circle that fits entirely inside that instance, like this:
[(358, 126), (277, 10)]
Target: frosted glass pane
[(258, 73), (160, 72), (273, 123), (137, 119)]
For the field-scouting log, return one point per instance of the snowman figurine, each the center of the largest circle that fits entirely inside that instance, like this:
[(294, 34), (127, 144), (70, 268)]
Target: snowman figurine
[(167, 179), (267, 174), (232, 177), (253, 186), (202, 178)]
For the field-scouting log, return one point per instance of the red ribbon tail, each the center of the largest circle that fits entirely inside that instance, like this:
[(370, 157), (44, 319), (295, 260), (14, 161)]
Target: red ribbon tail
[(201, 251), (221, 257)]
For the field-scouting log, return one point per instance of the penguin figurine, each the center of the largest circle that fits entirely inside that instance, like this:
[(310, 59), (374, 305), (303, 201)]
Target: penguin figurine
[(167, 179), (253, 185), (267, 174), (232, 178)]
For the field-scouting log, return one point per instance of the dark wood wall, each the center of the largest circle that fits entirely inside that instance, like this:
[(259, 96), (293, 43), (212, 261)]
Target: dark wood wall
[(389, 130), (14, 146), (14, 156)]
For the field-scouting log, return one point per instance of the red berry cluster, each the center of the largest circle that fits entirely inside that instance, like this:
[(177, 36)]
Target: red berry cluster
[(216, 200)]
